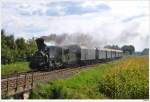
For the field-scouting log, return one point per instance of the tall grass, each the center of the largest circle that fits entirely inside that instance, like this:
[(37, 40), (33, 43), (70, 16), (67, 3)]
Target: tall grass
[(123, 79), (127, 79), (15, 67)]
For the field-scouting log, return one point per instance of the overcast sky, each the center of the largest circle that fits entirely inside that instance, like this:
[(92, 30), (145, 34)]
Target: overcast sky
[(113, 22)]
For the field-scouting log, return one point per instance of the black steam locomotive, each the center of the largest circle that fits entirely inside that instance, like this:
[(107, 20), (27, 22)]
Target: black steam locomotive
[(53, 57)]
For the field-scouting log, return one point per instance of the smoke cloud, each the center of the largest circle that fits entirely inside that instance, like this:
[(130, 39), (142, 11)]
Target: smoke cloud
[(100, 38), (81, 39)]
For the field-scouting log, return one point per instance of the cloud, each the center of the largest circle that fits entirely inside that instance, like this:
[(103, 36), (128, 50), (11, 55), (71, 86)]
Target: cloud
[(33, 28), (113, 22), (58, 8), (132, 18)]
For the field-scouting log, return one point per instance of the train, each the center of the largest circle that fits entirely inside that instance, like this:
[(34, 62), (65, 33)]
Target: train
[(73, 55)]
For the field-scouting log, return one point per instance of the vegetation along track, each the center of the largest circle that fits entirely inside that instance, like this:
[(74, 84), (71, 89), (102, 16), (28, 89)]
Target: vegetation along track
[(25, 81), (123, 79)]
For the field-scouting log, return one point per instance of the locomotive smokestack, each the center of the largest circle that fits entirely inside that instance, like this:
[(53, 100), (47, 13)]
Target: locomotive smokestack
[(40, 44)]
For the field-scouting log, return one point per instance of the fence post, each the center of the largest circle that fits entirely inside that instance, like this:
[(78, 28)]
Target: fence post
[(16, 81), (25, 81), (7, 85), (32, 79)]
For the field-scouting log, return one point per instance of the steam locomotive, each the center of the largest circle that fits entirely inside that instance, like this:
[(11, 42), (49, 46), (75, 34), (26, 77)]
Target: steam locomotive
[(53, 57)]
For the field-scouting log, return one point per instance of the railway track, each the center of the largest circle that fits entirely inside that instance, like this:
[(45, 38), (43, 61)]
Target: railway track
[(21, 82), (17, 74)]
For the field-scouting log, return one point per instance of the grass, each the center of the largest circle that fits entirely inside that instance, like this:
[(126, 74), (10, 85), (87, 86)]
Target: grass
[(71, 87), (123, 79), (15, 67)]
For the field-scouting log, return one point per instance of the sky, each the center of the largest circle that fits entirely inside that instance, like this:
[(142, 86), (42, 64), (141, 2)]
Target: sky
[(109, 21)]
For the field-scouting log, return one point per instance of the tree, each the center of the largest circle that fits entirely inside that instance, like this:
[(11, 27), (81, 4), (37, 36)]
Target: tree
[(145, 51), (7, 56), (3, 37), (20, 43), (129, 49), (31, 45), (15, 50), (7, 48)]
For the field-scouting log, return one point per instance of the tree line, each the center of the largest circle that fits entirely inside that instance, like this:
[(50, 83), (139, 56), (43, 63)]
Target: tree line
[(14, 50), (127, 49)]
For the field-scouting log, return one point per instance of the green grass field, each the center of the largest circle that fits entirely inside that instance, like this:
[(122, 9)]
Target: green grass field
[(122, 79), (16, 67)]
